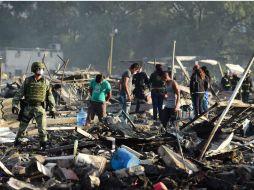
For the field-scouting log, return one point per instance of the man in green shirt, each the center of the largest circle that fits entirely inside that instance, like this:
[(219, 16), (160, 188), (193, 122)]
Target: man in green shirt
[(100, 91)]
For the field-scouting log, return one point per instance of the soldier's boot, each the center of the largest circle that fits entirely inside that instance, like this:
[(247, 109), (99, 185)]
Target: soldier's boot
[(17, 141)]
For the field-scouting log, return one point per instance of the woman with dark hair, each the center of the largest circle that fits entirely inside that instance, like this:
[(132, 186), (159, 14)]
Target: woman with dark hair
[(157, 90), (197, 89), (172, 94)]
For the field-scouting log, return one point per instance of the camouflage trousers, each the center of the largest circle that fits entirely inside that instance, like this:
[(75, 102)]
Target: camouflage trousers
[(39, 114)]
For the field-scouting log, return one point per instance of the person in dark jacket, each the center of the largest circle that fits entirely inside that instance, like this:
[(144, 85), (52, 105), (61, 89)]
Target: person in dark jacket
[(157, 90), (207, 83), (141, 82), (226, 81), (197, 89)]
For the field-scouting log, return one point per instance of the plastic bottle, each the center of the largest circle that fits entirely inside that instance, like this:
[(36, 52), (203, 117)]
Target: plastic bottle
[(81, 118), (122, 158)]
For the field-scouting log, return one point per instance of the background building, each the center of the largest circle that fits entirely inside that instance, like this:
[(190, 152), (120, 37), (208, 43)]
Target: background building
[(17, 61)]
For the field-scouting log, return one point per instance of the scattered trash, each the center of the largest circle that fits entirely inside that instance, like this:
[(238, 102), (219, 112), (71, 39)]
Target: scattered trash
[(139, 155)]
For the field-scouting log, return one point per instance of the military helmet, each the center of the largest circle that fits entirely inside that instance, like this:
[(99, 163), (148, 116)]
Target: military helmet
[(37, 65)]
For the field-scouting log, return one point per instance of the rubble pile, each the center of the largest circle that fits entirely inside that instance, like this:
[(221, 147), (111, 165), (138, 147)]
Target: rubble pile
[(143, 155), (139, 155)]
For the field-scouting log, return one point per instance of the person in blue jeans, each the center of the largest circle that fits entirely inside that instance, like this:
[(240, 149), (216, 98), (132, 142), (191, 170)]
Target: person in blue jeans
[(141, 82), (197, 89), (126, 88), (157, 91), (207, 83)]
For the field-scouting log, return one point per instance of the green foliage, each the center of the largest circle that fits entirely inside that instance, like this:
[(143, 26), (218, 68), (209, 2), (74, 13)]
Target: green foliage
[(221, 30)]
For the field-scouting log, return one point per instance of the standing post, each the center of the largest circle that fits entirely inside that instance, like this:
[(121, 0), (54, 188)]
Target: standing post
[(111, 54), (182, 67), (108, 69), (221, 72), (112, 34), (173, 61), (239, 84)]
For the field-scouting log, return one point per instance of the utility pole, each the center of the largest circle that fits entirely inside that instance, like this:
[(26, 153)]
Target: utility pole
[(112, 35), (173, 60)]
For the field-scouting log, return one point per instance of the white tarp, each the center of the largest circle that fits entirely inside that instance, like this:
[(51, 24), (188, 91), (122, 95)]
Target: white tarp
[(235, 69), (209, 61), (6, 135), (156, 62), (186, 58)]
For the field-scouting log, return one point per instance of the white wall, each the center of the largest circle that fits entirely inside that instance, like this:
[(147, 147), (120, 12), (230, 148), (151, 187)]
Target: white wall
[(19, 59)]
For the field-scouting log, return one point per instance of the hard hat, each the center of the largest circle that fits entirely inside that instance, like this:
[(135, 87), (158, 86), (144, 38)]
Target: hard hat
[(37, 65)]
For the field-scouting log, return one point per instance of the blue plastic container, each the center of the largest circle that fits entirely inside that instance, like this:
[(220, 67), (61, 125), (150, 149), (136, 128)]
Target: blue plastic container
[(81, 118), (122, 158)]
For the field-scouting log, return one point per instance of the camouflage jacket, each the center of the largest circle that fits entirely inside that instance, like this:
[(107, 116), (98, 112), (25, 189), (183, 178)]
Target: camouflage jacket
[(32, 89)]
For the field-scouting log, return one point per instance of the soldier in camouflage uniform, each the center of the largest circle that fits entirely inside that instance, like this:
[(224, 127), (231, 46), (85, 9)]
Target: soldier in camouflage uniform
[(35, 90), (226, 82)]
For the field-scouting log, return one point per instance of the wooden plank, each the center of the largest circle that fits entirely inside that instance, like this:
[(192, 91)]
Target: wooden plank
[(17, 184), (69, 157), (6, 170), (50, 121), (63, 120), (84, 133), (236, 103), (60, 128), (70, 146), (173, 159)]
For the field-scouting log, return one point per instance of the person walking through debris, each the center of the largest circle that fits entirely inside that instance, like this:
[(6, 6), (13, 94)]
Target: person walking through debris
[(207, 83), (197, 89), (235, 80), (36, 91), (157, 90), (226, 81), (126, 88), (141, 82), (173, 99), (100, 91), (246, 88)]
